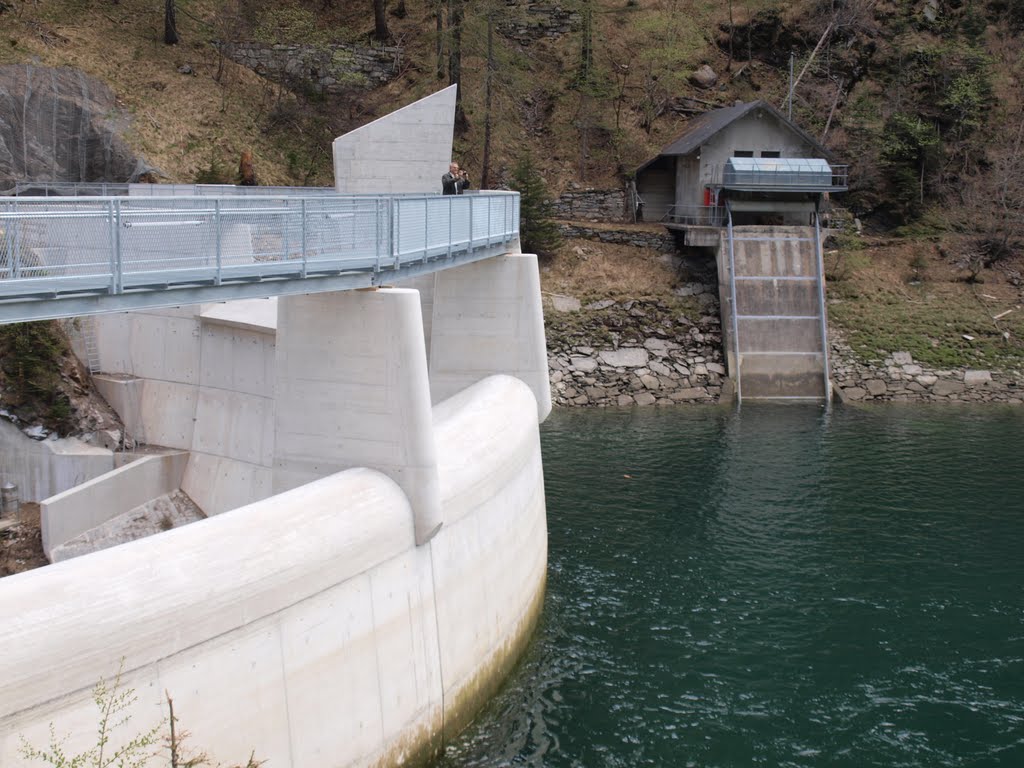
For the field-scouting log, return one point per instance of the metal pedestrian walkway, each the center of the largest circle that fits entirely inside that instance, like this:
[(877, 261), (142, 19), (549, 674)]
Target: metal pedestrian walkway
[(72, 256)]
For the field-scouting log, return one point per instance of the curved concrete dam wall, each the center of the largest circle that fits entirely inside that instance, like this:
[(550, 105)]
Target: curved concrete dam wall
[(308, 627)]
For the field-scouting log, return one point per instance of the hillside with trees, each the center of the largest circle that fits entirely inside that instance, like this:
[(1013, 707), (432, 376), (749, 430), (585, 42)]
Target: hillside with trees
[(922, 97)]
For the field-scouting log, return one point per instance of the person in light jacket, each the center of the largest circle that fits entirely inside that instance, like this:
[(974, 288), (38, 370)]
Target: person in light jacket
[(455, 181)]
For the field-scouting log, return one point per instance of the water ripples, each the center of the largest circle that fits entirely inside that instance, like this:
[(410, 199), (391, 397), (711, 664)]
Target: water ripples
[(783, 587)]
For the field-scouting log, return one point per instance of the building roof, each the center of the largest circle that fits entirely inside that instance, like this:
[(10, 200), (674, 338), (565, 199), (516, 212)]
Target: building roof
[(701, 128)]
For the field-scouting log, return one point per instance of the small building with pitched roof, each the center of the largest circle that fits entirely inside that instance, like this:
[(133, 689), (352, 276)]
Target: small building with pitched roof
[(750, 152)]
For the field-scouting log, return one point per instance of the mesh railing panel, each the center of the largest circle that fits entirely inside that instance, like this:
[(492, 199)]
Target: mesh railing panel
[(70, 244)]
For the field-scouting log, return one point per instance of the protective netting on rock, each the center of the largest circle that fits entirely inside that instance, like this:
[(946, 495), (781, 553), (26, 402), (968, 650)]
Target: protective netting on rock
[(61, 125)]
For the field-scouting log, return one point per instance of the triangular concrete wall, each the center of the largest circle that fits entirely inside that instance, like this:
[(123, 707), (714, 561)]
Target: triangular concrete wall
[(405, 151)]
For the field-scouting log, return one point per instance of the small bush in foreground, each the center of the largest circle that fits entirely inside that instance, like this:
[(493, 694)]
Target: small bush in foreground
[(114, 704)]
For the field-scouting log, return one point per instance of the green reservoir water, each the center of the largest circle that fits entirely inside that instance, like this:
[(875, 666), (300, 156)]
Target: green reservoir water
[(776, 587)]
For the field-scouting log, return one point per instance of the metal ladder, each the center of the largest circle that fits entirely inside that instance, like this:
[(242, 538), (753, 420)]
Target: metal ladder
[(87, 328), (92, 350), (738, 315)]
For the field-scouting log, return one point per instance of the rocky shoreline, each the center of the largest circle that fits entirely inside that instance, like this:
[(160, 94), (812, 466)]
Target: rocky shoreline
[(643, 352), (897, 378), (637, 352)]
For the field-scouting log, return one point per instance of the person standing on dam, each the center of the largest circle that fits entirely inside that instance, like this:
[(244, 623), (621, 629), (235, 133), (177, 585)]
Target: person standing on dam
[(455, 181)]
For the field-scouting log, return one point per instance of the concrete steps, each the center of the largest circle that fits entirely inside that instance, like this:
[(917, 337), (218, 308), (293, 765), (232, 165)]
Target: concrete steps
[(775, 347)]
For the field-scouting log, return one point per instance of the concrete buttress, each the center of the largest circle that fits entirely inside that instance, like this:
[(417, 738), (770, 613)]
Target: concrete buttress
[(352, 391), (488, 319)]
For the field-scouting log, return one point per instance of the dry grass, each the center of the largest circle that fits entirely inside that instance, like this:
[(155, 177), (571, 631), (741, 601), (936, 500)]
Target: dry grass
[(588, 270), (180, 121), (906, 296)]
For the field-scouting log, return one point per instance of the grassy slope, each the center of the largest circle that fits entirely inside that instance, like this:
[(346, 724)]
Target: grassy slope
[(894, 296), (904, 295)]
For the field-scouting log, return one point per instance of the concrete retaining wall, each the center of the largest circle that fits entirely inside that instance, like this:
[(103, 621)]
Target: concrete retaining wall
[(307, 628), (199, 379), (42, 469), (78, 509)]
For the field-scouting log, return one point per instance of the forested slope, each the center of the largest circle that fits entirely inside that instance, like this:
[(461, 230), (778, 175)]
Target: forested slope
[(922, 97)]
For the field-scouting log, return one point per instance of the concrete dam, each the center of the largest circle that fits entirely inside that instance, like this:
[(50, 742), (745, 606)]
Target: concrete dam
[(374, 554)]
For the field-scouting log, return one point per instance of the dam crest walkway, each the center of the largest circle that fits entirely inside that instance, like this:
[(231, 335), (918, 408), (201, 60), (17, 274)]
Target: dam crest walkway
[(169, 245)]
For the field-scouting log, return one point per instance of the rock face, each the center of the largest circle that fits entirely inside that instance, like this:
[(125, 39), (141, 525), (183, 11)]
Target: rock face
[(61, 125)]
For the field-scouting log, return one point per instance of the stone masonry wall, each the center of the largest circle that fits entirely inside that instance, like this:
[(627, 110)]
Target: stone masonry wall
[(591, 205), (328, 69), (659, 241), (542, 20), (643, 352), (897, 378), (647, 352), (636, 352)]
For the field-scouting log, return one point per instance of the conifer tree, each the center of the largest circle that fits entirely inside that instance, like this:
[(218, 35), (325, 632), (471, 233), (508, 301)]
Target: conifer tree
[(537, 231)]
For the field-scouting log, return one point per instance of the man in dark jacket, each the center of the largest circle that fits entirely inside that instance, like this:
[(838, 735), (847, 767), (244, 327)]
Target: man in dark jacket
[(455, 181)]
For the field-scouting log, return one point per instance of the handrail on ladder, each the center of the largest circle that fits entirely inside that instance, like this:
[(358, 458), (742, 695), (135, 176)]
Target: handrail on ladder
[(732, 299), (820, 264)]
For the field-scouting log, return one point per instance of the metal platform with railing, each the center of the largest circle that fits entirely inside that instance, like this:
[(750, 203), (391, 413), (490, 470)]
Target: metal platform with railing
[(695, 215), (759, 174), (67, 256)]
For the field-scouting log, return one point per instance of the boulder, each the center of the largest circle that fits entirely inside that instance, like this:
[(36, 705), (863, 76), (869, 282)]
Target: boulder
[(705, 77), (660, 369)]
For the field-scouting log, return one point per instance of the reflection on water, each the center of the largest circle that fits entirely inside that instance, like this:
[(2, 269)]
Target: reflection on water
[(777, 587)]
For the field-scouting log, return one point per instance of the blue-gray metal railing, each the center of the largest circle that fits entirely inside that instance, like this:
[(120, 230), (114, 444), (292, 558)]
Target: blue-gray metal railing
[(51, 246), (66, 189), (695, 215), (769, 178), (106, 188)]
